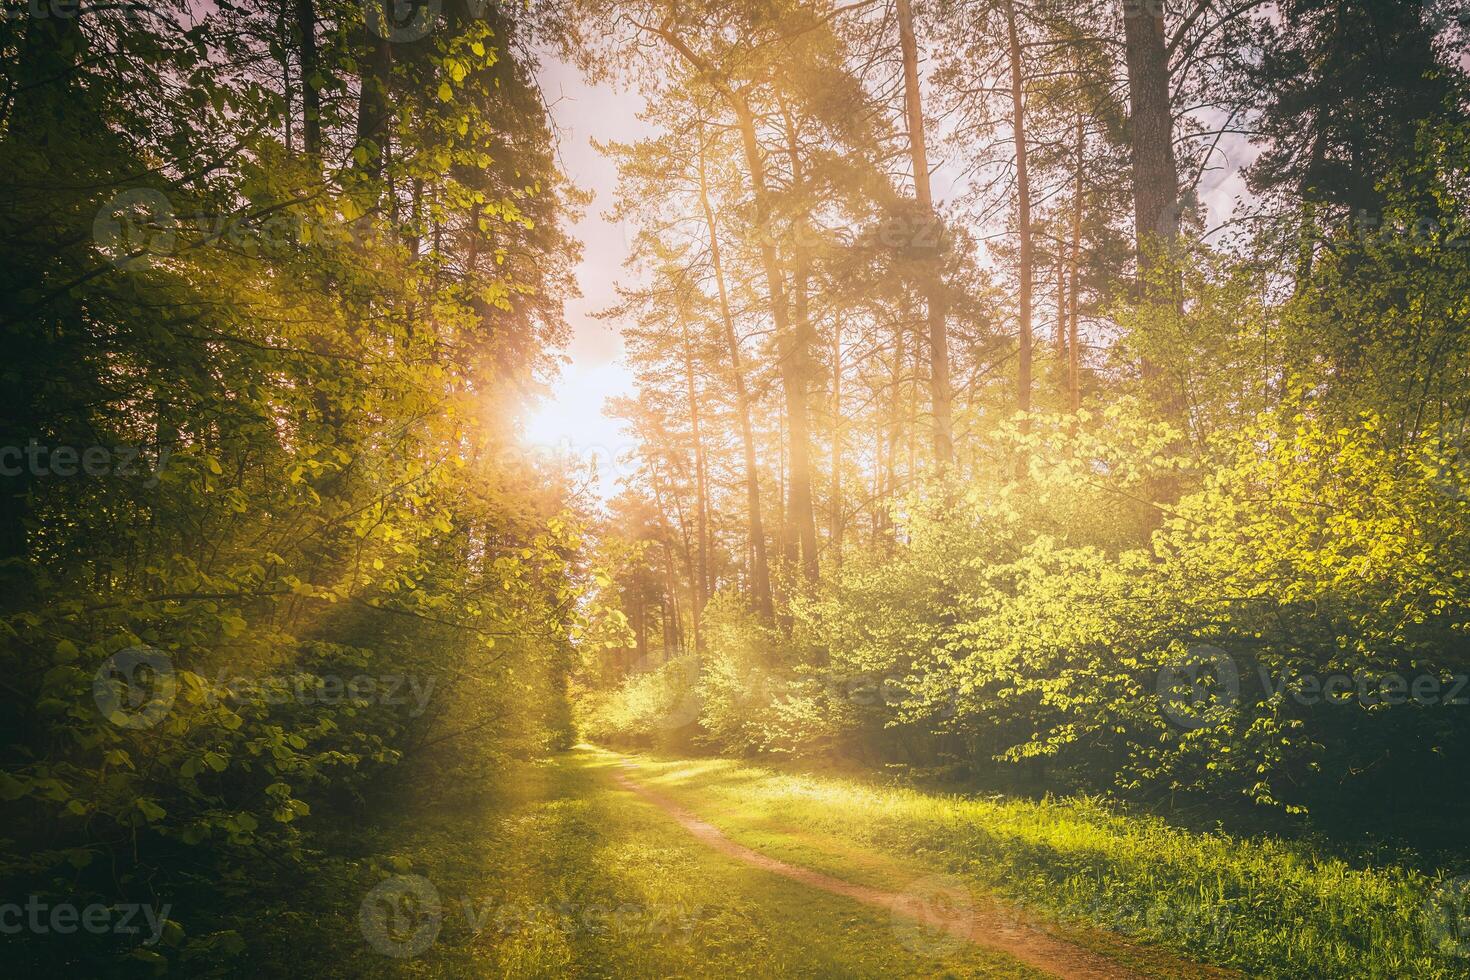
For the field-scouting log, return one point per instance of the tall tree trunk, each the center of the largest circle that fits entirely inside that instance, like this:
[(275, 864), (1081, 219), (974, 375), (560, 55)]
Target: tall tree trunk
[(670, 587), (1023, 218), (1074, 354), (701, 510), (1307, 218), (790, 351), (834, 533), (783, 513), (933, 286), (889, 465), (372, 100), (876, 499), (707, 524), (804, 339), (311, 100), (912, 414), (791, 347), (1060, 263), (284, 34), (1155, 168), (894, 431), (1150, 131), (1155, 184), (670, 605), (760, 575)]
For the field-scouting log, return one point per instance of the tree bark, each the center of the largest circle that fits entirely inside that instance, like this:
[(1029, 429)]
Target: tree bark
[(933, 285), (791, 348), (1155, 173), (701, 502), (1060, 337), (1150, 131), (311, 100), (791, 351), (760, 575), (893, 435), (1023, 219), (1074, 354), (372, 100), (834, 533)]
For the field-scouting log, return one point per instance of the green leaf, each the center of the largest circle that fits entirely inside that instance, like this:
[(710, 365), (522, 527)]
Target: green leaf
[(151, 811), (12, 788)]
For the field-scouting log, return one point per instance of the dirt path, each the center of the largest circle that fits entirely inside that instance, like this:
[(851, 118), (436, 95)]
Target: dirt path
[(930, 909)]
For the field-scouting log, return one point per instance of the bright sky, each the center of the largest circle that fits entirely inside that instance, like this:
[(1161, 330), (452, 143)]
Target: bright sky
[(573, 420)]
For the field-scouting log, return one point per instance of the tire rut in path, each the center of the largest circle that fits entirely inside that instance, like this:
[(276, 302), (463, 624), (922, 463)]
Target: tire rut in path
[(992, 928)]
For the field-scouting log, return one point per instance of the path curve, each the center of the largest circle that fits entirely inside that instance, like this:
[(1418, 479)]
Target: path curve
[(991, 927)]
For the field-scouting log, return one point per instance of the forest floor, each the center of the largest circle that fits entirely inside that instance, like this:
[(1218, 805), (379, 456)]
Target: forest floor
[(588, 867), (928, 912), (593, 863)]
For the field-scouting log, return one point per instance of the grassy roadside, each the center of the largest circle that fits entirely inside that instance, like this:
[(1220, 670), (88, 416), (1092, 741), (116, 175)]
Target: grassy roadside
[(562, 873), (1268, 907)]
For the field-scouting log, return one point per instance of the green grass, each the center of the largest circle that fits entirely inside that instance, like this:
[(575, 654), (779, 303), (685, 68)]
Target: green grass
[(553, 870), (570, 875), (1265, 906)]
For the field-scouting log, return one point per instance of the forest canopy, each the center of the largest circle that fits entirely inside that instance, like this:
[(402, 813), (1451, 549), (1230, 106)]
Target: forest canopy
[(1082, 472)]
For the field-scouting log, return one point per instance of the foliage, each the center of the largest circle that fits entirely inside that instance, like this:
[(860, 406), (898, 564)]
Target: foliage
[(270, 539)]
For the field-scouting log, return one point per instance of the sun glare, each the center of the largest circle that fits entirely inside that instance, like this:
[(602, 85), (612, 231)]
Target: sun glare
[(573, 419)]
